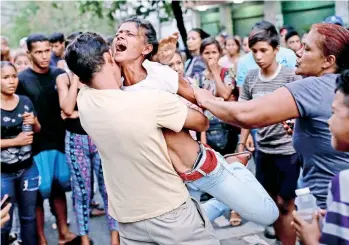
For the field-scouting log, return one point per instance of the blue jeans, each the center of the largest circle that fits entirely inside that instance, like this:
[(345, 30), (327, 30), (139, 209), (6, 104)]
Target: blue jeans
[(22, 187), (234, 187)]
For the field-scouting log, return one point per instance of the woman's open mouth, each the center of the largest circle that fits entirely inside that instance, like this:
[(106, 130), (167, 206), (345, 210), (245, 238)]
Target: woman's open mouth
[(120, 47)]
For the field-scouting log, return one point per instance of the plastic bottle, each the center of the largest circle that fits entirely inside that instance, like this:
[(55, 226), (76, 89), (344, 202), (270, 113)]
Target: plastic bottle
[(306, 203), (27, 128)]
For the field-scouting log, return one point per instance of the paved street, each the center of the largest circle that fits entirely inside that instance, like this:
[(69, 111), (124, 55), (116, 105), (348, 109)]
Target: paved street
[(247, 233)]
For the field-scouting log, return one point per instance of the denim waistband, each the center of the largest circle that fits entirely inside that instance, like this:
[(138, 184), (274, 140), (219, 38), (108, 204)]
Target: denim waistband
[(201, 156)]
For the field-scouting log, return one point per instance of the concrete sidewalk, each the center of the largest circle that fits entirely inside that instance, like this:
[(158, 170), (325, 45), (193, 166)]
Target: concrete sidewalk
[(247, 233)]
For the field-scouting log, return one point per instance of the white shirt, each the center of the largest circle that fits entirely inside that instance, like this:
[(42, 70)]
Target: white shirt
[(159, 77)]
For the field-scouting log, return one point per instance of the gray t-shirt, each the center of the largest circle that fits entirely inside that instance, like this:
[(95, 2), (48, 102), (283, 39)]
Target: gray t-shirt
[(312, 137), (271, 139)]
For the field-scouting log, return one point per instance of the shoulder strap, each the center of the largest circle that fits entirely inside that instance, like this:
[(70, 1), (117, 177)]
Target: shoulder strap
[(68, 79)]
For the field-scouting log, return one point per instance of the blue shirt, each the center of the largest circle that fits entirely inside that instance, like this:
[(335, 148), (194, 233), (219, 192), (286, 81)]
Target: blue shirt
[(54, 60), (312, 136), (285, 57)]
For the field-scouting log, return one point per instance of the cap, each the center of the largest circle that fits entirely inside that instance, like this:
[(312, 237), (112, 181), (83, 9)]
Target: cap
[(334, 19), (304, 191)]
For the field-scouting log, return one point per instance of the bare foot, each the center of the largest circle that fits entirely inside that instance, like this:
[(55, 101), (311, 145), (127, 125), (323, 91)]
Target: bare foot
[(96, 212), (67, 237), (235, 219), (42, 241)]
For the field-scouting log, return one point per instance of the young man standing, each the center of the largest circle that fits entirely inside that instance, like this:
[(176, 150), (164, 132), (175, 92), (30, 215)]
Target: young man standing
[(39, 84), (58, 45), (335, 228), (293, 41), (277, 165), (145, 193), (246, 63)]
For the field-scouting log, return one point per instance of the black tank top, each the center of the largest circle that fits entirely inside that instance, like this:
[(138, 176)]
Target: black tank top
[(74, 125)]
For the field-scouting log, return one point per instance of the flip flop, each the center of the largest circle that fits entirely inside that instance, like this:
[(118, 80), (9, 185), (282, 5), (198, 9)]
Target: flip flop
[(242, 157)]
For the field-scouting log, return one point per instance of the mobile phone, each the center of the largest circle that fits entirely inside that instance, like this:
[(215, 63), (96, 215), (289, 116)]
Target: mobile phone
[(7, 201)]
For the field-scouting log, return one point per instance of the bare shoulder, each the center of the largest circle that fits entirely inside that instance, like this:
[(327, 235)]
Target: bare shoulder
[(62, 78), (61, 64)]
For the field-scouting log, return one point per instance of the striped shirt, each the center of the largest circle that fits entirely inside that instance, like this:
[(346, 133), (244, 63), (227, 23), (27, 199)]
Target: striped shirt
[(335, 229), (271, 139)]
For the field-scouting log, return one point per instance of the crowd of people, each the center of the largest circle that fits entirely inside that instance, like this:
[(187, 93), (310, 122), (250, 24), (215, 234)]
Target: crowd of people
[(159, 131)]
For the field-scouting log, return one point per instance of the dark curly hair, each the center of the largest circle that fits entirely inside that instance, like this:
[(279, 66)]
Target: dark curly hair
[(84, 55), (342, 85)]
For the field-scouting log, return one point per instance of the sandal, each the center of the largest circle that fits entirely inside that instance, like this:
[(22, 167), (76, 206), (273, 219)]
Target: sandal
[(242, 157)]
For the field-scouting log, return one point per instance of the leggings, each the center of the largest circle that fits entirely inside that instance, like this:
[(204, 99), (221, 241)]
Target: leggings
[(82, 157)]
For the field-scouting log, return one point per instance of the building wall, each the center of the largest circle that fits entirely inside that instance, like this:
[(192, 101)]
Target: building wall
[(245, 15), (238, 19), (299, 14), (302, 14), (210, 20), (165, 29), (342, 9)]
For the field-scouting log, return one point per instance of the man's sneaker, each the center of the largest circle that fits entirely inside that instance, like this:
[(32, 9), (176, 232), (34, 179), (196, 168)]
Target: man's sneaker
[(12, 237)]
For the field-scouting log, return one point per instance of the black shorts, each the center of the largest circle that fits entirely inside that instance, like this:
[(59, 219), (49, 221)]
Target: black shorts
[(278, 174)]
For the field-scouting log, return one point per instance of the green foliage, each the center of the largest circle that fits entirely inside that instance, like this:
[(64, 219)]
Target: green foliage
[(58, 16), (141, 8)]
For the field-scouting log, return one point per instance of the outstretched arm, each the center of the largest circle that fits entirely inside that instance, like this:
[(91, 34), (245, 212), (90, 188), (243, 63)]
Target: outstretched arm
[(267, 110)]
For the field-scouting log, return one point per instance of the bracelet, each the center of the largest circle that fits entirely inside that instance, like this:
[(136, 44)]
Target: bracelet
[(240, 143)]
